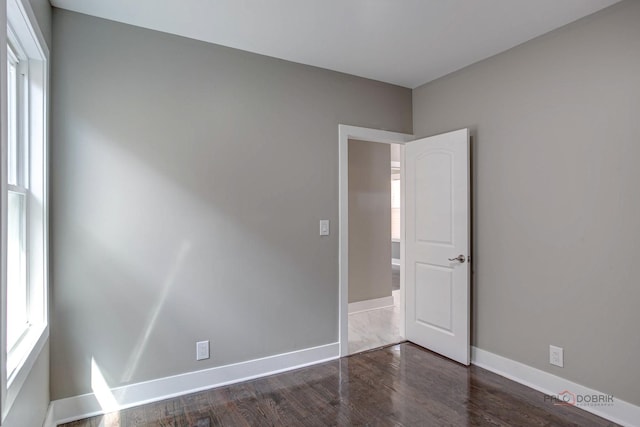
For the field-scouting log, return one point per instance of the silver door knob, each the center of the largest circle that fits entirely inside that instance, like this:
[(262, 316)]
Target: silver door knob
[(459, 258)]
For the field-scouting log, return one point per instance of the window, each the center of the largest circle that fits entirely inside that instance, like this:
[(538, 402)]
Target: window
[(395, 207), (17, 199), (24, 198)]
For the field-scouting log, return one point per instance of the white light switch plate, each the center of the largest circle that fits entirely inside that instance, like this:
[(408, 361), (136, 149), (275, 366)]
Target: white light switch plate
[(324, 227), (202, 350)]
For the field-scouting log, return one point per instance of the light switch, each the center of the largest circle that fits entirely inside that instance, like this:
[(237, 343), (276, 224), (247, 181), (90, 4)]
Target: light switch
[(202, 350), (324, 227)]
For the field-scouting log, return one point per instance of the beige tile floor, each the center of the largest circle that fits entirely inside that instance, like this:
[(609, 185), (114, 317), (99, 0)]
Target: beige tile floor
[(375, 328)]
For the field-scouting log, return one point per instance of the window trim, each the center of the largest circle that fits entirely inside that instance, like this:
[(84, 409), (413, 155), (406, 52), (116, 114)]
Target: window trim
[(15, 53), (21, 20), (395, 237)]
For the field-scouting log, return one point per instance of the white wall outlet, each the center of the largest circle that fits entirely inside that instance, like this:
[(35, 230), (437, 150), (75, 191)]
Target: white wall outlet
[(324, 227), (556, 356), (202, 350)]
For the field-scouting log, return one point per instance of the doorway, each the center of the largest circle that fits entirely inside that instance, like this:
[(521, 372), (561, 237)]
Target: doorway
[(369, 135), (434, 308), (374, 245)]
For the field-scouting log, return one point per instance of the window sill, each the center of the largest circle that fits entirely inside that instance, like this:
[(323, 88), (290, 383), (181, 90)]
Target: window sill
[(31, 346)]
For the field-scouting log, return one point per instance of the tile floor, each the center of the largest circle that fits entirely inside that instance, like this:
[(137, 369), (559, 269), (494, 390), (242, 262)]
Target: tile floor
[(374, 328)]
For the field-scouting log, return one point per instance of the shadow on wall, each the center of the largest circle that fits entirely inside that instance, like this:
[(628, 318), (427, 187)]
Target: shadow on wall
[(161, 140), (117, 243)]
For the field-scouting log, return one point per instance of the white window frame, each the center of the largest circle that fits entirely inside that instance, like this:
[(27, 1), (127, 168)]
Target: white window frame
[(27, 41), (21, 186), (395, 237)]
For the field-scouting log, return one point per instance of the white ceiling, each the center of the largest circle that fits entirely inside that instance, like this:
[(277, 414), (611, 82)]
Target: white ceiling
[(405, 42)]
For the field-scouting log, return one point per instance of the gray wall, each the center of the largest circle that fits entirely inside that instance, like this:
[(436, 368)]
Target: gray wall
[(42, 9), (395, 250), (369, 221), (30, 407), (556, 207), (188, 184)]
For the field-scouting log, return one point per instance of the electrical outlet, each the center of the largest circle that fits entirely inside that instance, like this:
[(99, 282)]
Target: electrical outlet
[(202, 350), (556, 356)]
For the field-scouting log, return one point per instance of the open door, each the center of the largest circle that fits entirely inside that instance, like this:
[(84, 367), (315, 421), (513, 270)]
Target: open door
[(436, 218)]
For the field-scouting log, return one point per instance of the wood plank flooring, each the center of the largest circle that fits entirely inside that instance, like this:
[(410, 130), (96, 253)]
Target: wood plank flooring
[(401, 385)]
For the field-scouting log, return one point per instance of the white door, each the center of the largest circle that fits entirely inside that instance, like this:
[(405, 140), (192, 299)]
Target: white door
[(436, 218)]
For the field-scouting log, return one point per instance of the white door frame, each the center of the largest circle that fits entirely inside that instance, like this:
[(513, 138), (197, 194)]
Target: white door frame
[(363, 134)]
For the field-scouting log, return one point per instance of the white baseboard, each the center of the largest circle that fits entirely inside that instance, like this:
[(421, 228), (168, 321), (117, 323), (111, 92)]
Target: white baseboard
[(396, 297), (620, 412), (87, 405), (370, 304), (395, 261), (49, 421)]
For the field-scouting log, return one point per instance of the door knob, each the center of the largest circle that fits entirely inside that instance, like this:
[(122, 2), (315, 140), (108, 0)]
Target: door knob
[(459, 258)]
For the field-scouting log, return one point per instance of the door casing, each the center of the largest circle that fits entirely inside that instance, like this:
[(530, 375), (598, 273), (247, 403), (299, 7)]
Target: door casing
[(347, 132), (363, 134)]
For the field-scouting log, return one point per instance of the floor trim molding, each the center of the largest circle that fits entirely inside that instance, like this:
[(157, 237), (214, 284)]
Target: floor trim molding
[(621, 412), (87, 405), (370, 304)]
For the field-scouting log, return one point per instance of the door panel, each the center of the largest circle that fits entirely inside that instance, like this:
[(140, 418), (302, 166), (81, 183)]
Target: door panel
[(434, 285), (432, 191), (436, 233)]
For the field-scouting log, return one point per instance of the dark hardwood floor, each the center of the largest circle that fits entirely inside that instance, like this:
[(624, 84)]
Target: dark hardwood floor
[(401, 385)]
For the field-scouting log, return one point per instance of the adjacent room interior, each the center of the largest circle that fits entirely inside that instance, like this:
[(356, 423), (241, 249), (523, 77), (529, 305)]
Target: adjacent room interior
[(375, 316), (206, 221)]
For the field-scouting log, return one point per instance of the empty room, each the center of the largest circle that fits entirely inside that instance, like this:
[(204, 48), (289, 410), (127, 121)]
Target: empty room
[(319, 213)]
